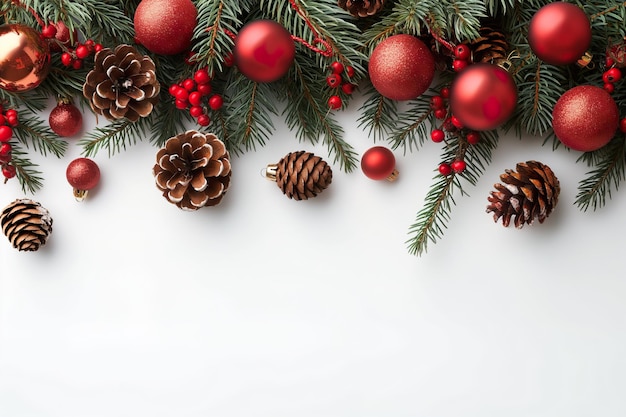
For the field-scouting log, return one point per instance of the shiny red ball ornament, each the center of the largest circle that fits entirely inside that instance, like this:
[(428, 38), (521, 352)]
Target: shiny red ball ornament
[(83, 174), (483, 96), (65, 119), (165, 27), (379, 163), (401, 67), (559, 33), (264, 51), (585, 118)]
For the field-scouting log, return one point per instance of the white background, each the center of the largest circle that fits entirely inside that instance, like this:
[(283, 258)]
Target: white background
[(265, 306)]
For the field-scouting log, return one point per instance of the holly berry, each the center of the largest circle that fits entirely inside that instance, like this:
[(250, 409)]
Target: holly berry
[(196, 111), (445, 169), (333, 80), (462, 52), (437, 135), (456, 122), (612, 75), (203, 120), (622, 125), (82, 51), (436, 102), (8, 171), (350, 71), (189, 84), (337, 67), (335, 102), (445, 92), (609, 88), (204, 89), (216, 102), (11, 117), (459, 65), (67, 59), (348, 88), (458, 166), (5, 153), (440, 113), (472, 138), (195, 98), (181, 104), (202, 76), (49, 31), (5, 133)]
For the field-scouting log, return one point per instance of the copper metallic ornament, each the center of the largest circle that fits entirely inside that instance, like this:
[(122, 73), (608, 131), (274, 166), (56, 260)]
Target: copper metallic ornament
[(24, 58)]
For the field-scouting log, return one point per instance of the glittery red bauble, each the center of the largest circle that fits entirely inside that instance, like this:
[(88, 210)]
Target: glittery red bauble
[(559, 33), (83, 174), (264, 51), (378, 163), (585, 118), (65, 119), (24, 58), (483, 96), (401, 67), (165, 27)]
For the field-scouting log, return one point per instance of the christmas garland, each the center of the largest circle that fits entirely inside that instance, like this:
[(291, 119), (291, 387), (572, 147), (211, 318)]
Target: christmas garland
[(452, 72)]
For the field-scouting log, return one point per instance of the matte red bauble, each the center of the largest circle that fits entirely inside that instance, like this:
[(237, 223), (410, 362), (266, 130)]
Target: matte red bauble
[(559, 33), (24, 58), (483, 96), (264, 51), (379, 163), (165, 27), (65, 119), (83, 174), (585, 118), (401, 67)]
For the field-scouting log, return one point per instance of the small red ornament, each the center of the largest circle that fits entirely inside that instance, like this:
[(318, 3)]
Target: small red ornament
[(83, 174), (379, 163), (559, 33), (264, 51), (401, 67), (483, 96), (65, 119), (165, 27), (585, 118)]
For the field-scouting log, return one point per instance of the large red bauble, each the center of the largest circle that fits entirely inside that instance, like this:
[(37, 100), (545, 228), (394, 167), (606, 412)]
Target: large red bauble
[(585, 118), (483, 96), (83, 174), (559, 33), (165, 27), (264, 51), (401, 67), (24, 58), (379, 163)]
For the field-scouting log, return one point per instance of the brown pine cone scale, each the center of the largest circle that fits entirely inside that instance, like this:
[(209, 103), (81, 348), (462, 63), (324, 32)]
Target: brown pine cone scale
[(27, 224), (362, 8)]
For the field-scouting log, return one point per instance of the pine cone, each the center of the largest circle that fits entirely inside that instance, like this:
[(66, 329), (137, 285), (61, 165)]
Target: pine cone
[(362, 8), (27, 224), (301, 175), (123, 83), (532, 191), (193, 170), (491, 46)]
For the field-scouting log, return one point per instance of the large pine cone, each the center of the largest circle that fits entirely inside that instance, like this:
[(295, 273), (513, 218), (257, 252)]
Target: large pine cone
[(362, 8), (27, 224), (193, 170), (123, 83), (491, 46), (531, 192), (301, 175)]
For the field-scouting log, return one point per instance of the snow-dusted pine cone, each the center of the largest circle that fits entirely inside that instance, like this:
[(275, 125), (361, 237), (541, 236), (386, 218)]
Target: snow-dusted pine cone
[(301, 175), (531, 192), (122, 84), (193, 170), (362, 8), (26, 223)]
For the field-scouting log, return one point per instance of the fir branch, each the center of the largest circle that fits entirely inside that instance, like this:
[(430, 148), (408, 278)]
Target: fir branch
[(30, 179), (411, 128), (113, 137), (33, 132), (608, 174), (167, 122), (379, 114)]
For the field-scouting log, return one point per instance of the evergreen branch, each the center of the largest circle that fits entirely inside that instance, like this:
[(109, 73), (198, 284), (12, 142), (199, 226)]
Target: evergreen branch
[(168, 121), (610, 171), (378, 114), (29, 177), (33, 131), (410, 129), (114, 137)]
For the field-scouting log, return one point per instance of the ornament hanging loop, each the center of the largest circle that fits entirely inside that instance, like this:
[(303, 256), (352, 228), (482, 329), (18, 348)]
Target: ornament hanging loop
[(327, 49)]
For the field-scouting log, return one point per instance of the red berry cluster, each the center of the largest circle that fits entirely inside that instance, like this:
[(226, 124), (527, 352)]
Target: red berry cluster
[(610, 77), (8, 120), (450, 124), (462, 57), (192, 93), (336, 81), (72, 56)]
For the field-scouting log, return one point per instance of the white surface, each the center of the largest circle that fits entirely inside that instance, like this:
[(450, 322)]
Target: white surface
[(264, 306)]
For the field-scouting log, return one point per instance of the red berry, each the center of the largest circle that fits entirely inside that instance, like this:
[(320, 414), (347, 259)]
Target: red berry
[(611, 76), (459, 65), (445, 169), (441, 113), (181, 104), (82, 51), (5, 133), (458, 166), (3, 119), (337, 67), (189, 84), (437, 135), (203, 120), (229, 59), (456, 122), (196, 111), (77, 64), (333, 80), (462, 52), (350, 71), (182, 94), (49, 31), (348, 88), (335, 102), (609, 88), (216, 102), (190, 58), (8, 171), (472, 138), (445, 92), (173, 89), (195, 98), (98, 47), (5, 149), (11, 117), (202, 76), (436, 102), (622, 125), (609, 62), (67, 59), (204, 89)]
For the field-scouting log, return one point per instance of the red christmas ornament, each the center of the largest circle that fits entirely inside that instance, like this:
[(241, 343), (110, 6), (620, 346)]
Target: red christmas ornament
[(24, 58), (65, 119), (83, 174), (585, 118), (401, 67), (483, 96), (379, 163), (264, 51), (559, 33), (165, 27)]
